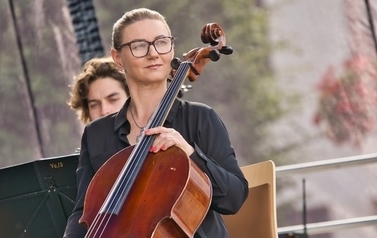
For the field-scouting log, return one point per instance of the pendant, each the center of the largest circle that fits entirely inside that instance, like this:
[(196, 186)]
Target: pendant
[(138, 137)]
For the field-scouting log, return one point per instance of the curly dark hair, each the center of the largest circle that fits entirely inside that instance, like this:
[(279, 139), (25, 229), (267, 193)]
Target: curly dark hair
[(91, 71)]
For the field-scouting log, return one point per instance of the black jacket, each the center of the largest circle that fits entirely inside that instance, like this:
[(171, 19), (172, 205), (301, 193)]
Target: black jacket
[(202, 128)]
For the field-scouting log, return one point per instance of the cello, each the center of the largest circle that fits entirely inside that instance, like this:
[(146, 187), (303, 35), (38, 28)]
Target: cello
[(136, 193)]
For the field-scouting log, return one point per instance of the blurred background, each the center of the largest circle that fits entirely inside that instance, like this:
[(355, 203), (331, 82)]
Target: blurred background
[(301, 86)]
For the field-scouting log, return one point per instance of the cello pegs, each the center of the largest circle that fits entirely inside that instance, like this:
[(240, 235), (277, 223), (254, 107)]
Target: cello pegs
[(226, 50), (214, 55), (175, 63)]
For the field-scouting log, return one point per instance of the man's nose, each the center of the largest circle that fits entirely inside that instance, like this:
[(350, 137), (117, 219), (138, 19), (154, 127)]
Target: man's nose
[(105, 109)]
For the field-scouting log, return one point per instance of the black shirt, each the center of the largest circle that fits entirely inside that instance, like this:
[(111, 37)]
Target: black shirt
[(214, 155)]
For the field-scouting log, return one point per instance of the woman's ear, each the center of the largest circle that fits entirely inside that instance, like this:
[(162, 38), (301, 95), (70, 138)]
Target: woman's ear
[(116, 58)]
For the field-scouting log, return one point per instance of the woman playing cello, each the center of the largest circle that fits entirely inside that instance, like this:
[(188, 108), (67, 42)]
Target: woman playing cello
[(143, 46)]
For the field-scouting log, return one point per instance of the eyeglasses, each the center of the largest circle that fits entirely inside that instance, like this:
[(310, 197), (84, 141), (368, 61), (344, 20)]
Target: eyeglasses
[(140, 48)]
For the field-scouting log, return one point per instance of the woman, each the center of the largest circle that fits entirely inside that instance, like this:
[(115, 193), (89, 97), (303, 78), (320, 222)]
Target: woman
[(143, 46), (100, 89)]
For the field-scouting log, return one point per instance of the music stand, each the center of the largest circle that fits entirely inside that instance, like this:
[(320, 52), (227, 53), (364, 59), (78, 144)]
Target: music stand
[(36, 198)]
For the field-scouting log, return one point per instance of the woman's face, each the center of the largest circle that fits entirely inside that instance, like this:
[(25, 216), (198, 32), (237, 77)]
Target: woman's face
[(153, 67), (106, 96)]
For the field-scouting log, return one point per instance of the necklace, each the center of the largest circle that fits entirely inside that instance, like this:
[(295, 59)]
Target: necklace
[(142, 128)]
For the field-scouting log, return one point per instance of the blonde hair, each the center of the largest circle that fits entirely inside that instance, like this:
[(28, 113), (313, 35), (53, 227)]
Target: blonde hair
[(131, 17)]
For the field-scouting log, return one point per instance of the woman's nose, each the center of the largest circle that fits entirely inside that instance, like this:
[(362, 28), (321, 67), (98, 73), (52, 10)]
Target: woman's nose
[(152, 51)]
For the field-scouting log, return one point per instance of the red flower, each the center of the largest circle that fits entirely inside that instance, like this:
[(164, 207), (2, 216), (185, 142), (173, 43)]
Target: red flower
[(348, 101)]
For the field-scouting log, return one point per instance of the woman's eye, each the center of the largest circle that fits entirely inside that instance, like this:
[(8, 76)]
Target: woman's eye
[(161, 42), (139, 45)]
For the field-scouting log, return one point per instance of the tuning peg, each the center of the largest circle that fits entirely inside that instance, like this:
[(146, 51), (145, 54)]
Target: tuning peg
[(175, 63), (214, 55), (226, 50)]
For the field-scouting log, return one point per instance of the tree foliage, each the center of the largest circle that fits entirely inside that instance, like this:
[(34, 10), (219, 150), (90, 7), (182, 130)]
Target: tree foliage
[(240, 87), (45, 63)]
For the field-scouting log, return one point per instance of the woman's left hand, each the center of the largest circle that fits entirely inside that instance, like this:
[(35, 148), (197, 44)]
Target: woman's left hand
[(167, 137)]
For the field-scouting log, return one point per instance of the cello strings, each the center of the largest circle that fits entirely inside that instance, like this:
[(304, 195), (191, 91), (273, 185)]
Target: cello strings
[(130, 170), (156, 120), (100, 218)]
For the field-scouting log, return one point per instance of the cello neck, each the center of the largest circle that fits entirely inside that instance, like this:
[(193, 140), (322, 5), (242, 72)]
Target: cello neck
[(163, 108)]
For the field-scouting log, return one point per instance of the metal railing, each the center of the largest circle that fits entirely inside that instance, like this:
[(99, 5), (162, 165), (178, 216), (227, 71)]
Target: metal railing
[(327, 226), (287, 170), (330, 226)]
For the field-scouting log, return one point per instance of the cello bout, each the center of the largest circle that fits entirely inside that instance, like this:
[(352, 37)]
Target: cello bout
[(168, 189)]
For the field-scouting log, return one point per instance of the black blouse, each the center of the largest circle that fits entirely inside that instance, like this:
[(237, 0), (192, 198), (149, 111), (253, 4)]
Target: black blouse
[(202, 128)]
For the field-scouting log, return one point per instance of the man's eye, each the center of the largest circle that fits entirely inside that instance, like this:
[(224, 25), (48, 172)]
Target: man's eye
[(93, 105)]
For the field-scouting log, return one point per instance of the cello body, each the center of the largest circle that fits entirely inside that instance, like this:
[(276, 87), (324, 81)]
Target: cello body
[(170, 198)]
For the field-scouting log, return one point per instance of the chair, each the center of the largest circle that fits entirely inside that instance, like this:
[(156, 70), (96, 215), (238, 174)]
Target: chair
[(257, 216)]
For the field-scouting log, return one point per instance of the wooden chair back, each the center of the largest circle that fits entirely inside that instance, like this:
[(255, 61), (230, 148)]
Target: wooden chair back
[(257, 216)]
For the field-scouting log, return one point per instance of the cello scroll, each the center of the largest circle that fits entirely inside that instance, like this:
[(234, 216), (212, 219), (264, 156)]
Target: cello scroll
[(213, 35)]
